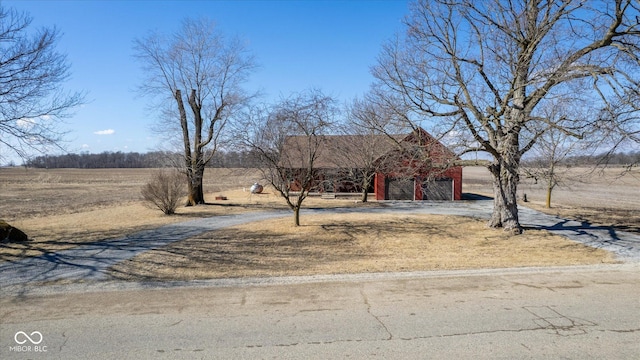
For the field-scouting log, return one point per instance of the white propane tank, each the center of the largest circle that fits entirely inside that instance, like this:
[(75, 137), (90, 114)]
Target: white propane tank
[(256, 188)]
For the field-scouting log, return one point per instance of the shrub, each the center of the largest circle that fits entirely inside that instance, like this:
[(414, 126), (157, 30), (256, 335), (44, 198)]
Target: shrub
[(164, 190), (10, 234)]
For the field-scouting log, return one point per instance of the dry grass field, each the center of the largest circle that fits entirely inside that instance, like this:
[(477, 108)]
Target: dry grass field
[(61, 208), (37, 193)]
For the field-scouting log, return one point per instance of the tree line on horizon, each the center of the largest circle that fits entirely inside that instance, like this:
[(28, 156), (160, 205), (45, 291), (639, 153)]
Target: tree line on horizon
[(124, 160), (245, 159)]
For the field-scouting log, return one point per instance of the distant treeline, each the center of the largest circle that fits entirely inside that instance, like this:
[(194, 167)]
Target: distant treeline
[(243, 159), (622, 158), (154, 159)]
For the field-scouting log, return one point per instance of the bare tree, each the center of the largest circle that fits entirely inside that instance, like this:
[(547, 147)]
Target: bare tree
[(32, 72), (197, 73), (554, 147), (551, 150), (368, 138), (484, 68), (287, 139), (619, 127), (390, 142)]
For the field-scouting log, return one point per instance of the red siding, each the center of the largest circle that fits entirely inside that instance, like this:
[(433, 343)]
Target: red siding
[(417, 190), (454, 173), (378, 186)]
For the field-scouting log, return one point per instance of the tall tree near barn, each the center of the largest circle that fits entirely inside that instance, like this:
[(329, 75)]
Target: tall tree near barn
[(196, 74), (32, 72), (485, 68)]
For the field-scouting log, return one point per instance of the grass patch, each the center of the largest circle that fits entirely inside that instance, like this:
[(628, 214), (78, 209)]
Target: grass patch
[(354, 243)]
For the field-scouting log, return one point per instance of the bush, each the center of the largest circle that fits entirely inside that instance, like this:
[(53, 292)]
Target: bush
[(165, 190), (10, 234)]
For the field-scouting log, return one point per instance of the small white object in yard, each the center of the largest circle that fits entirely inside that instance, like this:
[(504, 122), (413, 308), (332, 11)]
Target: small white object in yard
[(256, 188)]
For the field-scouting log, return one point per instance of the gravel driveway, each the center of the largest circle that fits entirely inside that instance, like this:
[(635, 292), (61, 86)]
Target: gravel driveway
[(90, 262)]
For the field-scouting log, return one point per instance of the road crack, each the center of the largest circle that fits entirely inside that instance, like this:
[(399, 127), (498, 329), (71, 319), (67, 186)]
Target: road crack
[(549, 319), (64, 336), (368, 305), (624, 331)]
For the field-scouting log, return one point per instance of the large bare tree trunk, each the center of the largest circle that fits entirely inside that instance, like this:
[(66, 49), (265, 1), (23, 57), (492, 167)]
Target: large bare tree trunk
[(196, 190), (505, 172), (505, 205), (506, 166)]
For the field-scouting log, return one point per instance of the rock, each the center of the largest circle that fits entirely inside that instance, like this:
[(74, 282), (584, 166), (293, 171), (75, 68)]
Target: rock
[(10, 234)]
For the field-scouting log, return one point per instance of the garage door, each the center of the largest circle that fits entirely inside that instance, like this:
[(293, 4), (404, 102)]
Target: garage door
[(439, 189), (400, 189)]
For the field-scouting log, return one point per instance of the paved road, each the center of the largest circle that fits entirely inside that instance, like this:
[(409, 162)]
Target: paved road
[(90, 262), (569, 313)]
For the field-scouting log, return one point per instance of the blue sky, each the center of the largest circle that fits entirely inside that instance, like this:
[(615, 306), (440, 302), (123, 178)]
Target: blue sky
[(329, 45)]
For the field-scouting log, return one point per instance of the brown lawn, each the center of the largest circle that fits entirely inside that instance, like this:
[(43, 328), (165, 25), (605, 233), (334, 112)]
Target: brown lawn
[(354, 243)]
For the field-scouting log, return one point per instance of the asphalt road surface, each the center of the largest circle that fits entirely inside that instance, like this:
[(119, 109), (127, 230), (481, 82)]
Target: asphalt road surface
[(590, 312)]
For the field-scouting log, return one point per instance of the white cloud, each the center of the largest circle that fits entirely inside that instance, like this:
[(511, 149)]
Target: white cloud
[(29, 123), (85, 146), (26, 123), (105, 132)]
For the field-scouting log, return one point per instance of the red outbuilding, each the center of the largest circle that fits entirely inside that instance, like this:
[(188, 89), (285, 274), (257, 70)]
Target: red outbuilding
[(413, 166), (426, 172)]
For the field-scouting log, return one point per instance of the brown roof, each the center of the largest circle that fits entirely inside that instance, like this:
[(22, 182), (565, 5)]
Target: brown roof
[(353, 151)]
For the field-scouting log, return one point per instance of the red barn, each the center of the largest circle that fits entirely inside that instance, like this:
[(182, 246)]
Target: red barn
[(403, 167), (426, 174)]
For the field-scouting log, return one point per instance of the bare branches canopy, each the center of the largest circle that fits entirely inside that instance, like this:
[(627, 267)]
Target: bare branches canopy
[(286, 139), (487, 68), (32, 102), (196, 74)]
